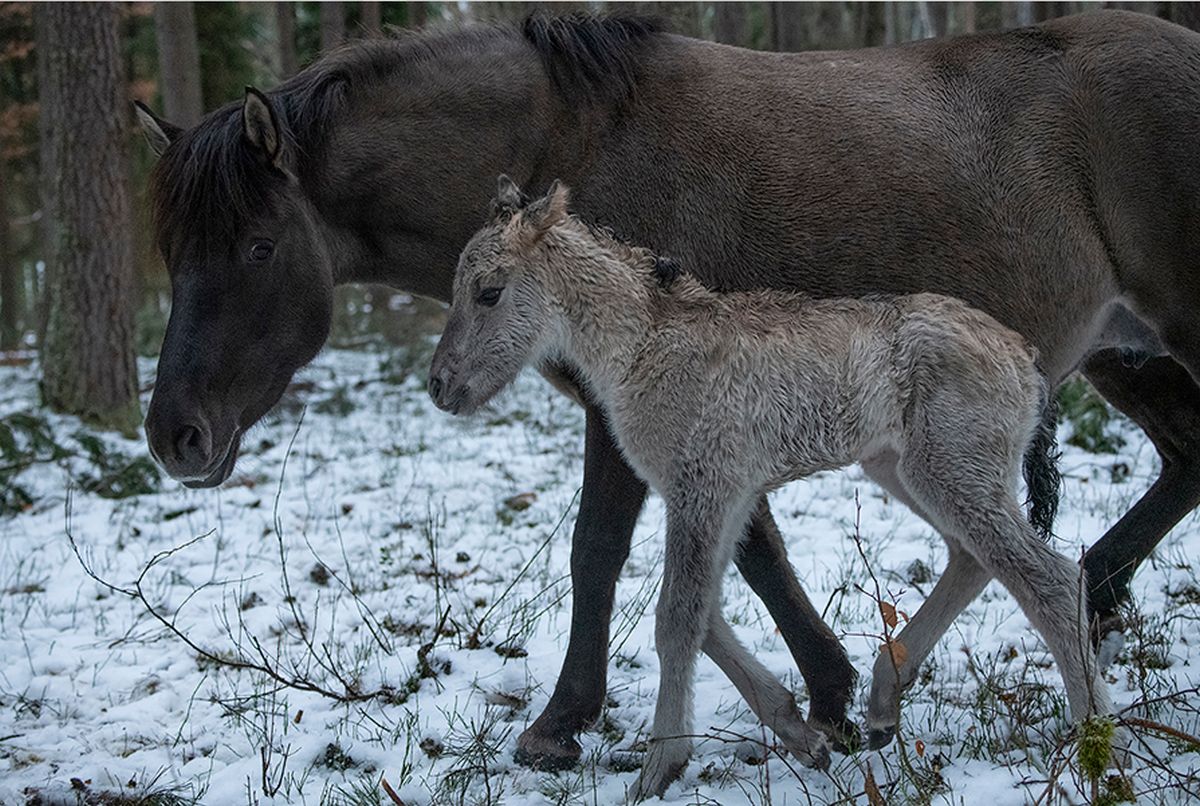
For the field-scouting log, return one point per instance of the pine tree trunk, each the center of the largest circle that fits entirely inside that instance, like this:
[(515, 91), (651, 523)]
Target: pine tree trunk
[(872, 25), (792, 26), (285, 24), (968, 17), (372, 17), (414, 15), (333, 25), (88, 363), (730, 24), (10, 275), (681, 18), (179, 62), (939, 19)]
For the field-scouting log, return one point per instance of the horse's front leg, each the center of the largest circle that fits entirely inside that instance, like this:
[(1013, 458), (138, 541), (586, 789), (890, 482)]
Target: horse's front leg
[(691, 570), (611, 500), (828, 673)]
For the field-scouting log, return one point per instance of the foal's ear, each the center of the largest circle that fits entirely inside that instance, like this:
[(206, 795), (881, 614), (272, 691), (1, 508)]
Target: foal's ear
[(158, 132), (551, 209), (508, 200), (260, 126)]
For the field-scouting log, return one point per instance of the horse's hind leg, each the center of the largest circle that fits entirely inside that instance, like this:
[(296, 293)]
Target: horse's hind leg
[(962, 581), (1164, 400), (763, 562), (773, 704)]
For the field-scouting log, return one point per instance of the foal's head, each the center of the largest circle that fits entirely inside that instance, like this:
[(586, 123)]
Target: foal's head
[(500, 315)]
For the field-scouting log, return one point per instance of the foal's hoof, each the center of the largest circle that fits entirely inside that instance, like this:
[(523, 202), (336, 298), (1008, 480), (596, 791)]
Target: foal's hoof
[(548, 753), (664, 762), (879, 738)]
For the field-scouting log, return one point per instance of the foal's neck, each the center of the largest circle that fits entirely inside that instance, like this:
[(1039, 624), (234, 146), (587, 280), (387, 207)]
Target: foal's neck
[(605, 292)]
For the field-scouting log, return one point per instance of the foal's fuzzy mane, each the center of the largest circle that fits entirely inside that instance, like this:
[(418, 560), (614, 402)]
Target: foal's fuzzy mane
[(209, 179)]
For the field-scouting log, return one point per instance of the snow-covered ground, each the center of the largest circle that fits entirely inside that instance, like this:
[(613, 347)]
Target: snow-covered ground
[(412, 515)]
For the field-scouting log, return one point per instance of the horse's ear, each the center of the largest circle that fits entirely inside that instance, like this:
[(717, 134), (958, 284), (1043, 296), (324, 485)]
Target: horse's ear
[(260, 126), (539, 216), (159, 133)]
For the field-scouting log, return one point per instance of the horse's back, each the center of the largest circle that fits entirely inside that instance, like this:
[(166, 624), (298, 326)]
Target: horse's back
[(1007, 169)]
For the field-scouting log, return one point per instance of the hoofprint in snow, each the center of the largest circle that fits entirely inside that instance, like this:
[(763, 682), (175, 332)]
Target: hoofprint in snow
[(427, 560)]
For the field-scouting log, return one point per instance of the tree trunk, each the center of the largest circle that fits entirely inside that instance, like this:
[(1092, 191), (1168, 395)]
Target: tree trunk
[(967, 17), (285, 22), (1186, 14), (372, 17), (414, 15), (179, 62), (990, 16), (872, 24), (680, 18), (731, 25), (88, 364), (792, 26), (10, 275), (939, 19), (333, 25)]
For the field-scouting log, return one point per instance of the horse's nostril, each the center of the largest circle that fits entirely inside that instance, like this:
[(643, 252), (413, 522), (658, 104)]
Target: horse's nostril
[(190, 447), (435, 388)]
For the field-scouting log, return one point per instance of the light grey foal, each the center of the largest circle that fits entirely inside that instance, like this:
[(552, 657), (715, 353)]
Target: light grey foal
[(716, 399)]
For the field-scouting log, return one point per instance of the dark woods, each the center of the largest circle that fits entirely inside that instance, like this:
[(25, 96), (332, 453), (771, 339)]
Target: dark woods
[(62, 184)]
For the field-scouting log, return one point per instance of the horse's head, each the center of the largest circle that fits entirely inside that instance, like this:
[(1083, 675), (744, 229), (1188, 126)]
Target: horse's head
[(251, 282), (500, 311)]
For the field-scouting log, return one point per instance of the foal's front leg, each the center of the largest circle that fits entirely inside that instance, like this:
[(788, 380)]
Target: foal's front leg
[(689, 588)]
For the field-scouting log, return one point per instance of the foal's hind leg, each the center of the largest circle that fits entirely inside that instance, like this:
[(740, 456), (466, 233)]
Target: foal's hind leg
[(773, 704), (1047, 585), (962, 581)]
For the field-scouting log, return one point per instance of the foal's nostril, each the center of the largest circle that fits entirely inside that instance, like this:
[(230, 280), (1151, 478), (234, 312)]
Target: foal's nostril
[(435, 388)]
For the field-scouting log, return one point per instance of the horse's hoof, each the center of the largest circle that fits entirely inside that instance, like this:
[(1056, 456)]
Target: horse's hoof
[(537, 751), (844, 736), (879, 738)]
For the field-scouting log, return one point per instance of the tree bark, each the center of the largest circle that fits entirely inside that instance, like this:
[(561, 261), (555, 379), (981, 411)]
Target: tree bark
[(414, 15), (939, 19), (372, 17), (10, 275), (792, 26), (730, 24), (179, 62), (1186, 14), (680, 18), (333, 25), (285, 23), (88, 362), (967, 17)]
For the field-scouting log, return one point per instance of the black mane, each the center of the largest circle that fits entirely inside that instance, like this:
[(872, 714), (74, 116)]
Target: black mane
[(209, 180)]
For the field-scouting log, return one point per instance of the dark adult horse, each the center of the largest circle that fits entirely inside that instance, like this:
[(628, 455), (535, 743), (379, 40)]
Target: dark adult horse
[(1047, 175)]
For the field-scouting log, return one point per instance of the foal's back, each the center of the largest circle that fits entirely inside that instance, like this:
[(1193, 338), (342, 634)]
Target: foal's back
[(788, 386)]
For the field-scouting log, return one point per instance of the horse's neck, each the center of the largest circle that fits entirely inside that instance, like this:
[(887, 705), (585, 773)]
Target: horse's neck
[(415, 158)]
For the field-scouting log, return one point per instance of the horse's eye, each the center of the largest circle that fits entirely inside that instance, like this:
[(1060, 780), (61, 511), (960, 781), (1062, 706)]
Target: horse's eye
[(489, 296), (261, 250)]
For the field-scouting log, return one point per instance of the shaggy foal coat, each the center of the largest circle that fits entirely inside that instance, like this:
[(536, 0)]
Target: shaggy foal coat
[(716, 398)]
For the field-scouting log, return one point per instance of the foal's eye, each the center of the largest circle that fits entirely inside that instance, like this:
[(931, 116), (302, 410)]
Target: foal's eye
[(261, 250), (489, 296)]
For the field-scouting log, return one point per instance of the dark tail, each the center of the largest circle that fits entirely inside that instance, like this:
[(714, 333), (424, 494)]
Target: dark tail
[(1042, 478)]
